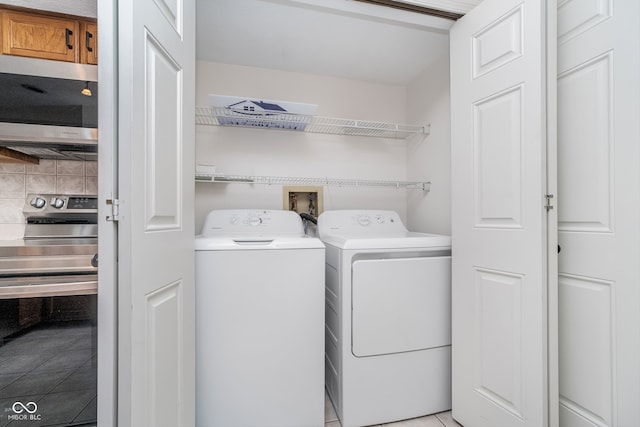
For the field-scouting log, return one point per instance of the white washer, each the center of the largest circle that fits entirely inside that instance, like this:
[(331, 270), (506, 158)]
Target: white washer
[(259, 321), (388, 318)]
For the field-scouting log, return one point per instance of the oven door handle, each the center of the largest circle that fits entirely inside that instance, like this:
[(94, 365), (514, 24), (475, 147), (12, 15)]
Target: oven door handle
[(89, 287)]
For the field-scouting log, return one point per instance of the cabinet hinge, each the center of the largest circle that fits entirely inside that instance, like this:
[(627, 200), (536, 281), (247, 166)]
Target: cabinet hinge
[(115, 210), (548, 206)]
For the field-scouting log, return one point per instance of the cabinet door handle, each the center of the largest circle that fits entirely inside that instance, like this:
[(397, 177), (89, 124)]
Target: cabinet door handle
[(87, 40), (67, 38)]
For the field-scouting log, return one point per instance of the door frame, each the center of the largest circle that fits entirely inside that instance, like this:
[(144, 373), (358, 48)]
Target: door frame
[(107, 230), (551, 77)]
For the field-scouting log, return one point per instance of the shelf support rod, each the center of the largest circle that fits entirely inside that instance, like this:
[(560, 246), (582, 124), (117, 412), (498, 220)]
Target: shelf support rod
[(271, 180)]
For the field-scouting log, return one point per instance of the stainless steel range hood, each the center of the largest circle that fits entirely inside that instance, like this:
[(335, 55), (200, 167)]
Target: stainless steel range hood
[(42, 110), (50, 142)]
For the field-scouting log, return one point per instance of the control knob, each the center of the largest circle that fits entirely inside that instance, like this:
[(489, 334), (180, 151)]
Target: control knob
[(57, 202), (256, 220), (364, 220), (38, 202)]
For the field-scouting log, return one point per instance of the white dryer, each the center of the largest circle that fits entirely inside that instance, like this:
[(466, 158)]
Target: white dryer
[(388, 318), (259, 321)]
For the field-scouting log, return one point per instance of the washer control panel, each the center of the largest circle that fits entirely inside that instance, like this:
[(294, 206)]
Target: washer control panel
[(252, 221)]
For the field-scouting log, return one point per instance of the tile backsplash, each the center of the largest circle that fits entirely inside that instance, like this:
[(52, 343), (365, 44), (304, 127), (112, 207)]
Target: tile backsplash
[(50, 176)]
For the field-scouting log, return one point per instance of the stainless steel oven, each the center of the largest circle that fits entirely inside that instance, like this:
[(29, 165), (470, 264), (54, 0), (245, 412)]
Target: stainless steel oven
[(48, 313)]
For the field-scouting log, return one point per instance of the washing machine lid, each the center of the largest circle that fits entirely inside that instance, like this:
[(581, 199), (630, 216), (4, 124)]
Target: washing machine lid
[(246, 243), (373, 229), (247, 229)]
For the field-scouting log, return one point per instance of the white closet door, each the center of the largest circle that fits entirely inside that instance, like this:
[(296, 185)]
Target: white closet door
[(499, 223), (599, 212), (156, 290)]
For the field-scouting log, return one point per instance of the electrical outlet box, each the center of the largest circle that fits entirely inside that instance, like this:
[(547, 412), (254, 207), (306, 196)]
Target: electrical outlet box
[(303, 199)]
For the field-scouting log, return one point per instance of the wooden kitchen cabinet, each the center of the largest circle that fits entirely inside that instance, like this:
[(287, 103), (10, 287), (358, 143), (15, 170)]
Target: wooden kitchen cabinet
[(60, 38), (37, 36), (89, 43)]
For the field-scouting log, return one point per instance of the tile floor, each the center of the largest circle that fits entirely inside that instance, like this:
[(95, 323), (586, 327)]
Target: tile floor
[(442, 419), (53, 366)]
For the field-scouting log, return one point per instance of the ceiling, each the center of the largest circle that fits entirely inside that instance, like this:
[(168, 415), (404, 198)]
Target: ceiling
[(342, 38)]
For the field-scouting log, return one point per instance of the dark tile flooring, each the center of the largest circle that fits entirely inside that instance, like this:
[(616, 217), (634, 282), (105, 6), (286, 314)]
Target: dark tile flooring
[(50, 371)]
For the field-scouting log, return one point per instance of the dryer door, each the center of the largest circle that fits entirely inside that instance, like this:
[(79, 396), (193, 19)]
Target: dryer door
[(400, 304)]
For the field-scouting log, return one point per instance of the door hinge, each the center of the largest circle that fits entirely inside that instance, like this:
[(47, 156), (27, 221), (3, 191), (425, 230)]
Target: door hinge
[(548, 206), (115, 210)]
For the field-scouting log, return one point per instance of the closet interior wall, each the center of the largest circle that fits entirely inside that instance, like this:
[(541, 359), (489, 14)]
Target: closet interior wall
[(428, 96), (289, 153)]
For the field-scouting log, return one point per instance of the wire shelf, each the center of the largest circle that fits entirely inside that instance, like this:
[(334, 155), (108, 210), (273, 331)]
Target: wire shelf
[(213, 116), (288, 180)]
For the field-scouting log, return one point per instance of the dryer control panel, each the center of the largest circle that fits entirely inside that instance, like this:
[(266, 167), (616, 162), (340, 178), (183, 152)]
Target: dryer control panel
[(367, 221)]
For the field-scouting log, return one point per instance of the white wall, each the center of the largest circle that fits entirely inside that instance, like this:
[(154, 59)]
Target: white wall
[(287, 153), (428, 101)]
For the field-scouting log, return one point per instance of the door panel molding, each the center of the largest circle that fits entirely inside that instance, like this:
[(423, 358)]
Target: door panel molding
[(586, 146), (163, 137), (498, 44), (587, 344), (499, 375), (172, 10), (578, 16), (165, 341), (498, 162)]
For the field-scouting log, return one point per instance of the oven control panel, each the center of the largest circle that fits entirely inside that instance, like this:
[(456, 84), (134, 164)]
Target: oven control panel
[(46, 203), (82, 202)]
